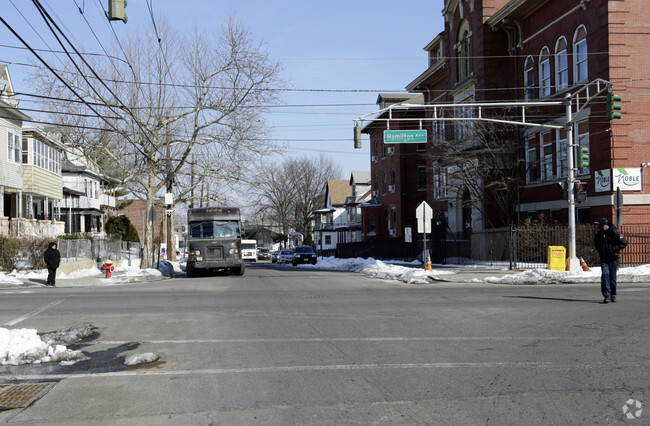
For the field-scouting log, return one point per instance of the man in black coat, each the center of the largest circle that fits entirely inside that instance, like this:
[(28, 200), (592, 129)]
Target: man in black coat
[(52, 259), (609, 242)]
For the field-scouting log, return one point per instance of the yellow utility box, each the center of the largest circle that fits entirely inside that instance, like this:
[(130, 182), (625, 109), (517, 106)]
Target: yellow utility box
[(556, 258)]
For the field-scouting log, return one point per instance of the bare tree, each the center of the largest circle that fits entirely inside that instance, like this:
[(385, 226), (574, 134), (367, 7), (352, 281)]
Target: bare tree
[(289, 192), (179, 97), (484, 165), (313, 174)]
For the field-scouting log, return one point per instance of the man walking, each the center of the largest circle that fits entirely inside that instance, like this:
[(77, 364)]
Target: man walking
[(609, 242), (52, 259)]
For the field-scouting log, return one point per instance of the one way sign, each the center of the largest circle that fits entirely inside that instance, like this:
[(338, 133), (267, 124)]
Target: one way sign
[(423, 214)]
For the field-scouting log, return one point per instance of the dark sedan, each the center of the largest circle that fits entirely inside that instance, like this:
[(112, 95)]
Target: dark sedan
[(304, 254)]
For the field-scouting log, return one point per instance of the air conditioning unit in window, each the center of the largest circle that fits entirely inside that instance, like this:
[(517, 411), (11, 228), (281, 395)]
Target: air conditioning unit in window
[(374, 158), (392, 232), (391, 188), (391, 150), (375, 193)]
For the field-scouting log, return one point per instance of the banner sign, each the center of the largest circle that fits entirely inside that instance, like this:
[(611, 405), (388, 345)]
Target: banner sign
[(626, 179), (603, 180)]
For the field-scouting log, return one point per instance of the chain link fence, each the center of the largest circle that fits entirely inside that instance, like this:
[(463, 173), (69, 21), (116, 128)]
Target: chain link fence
[(99, 249)]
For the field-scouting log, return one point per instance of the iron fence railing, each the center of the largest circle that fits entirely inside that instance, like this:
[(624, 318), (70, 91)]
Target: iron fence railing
[(517, 247)]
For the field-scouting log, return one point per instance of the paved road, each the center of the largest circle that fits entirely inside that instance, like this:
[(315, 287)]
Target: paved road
[(282, 345)]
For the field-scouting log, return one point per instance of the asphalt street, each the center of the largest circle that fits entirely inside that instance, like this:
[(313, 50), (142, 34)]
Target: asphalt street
[(284, 345)]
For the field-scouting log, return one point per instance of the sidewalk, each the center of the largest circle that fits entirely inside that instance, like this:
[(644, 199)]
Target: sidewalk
[(88, 279)]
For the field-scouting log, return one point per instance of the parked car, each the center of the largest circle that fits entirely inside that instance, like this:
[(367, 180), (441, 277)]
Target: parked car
[(286, 256), (275, 255), (263, 254), (304, 254)]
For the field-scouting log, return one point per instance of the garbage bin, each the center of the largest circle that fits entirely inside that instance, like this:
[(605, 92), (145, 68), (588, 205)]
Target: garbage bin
[(556, 258)]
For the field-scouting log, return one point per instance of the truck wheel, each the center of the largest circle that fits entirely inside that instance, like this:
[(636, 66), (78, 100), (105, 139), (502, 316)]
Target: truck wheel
[(239, 271)]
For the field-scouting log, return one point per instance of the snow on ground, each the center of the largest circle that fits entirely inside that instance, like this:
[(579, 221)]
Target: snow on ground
[(8, 279), (140, 358), (25, 346), (414, 273)]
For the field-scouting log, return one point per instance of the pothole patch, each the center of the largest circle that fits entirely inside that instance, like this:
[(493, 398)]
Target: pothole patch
[(22, 394)]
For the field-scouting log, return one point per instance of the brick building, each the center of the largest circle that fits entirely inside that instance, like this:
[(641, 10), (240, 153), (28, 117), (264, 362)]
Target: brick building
[(522, 50), (136, 212)]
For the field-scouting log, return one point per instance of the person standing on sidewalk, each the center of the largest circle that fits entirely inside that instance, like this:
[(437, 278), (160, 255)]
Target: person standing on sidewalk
[(52, 259), (609, 242)]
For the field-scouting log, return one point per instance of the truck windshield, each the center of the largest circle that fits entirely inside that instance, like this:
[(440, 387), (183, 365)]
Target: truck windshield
[(214, 229)]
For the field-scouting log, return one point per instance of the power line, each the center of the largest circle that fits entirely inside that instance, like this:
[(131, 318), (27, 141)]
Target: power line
[(45, 14)]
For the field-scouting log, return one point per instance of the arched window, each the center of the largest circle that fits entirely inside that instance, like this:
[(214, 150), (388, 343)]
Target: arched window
[(463, 52), (544, 73), (529, 78), (561, 64), (580, 55)]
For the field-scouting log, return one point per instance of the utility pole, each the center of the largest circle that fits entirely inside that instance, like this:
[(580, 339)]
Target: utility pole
[(192, 183), (169, 200), (574, 263)]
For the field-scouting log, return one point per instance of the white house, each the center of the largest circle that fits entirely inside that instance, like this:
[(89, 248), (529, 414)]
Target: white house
[(81, 206), (333, 216), (11, 157), (360, 183)]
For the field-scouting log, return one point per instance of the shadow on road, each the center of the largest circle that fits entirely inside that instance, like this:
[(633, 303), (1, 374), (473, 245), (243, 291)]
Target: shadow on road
[(553, 298)]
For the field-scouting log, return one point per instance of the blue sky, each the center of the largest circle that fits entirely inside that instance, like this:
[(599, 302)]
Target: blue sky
[(323, 46)]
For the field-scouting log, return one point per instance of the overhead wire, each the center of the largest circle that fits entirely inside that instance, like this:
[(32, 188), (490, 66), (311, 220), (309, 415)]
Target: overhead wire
[(47, 17)]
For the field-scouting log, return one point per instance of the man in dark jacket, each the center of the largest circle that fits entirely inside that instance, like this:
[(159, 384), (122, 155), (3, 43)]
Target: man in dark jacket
[(609, 242), (52, 259)]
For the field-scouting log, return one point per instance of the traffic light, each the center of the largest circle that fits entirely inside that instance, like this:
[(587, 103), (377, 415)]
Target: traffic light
[(613, 106), (564, 187), (116, 10), (357, 136), (580, 191), (583, 157)]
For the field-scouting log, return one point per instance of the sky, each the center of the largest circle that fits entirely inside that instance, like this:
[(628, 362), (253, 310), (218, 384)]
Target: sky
[(338, 54)]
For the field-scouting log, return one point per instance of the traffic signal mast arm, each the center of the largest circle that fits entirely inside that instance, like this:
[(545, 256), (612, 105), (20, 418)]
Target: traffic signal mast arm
[(574, 103)]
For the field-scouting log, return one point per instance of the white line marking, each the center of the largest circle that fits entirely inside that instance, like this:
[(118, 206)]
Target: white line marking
[(343, 339), (31, 314), (298, 368)]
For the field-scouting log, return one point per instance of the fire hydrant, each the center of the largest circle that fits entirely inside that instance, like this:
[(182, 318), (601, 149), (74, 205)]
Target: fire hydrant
[(108, 267)]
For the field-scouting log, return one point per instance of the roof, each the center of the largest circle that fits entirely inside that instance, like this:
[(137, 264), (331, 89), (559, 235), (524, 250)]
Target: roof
[(338, 191), (360, 177)]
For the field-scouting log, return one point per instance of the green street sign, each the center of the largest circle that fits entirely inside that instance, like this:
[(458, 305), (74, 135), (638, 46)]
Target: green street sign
[(405, 136)]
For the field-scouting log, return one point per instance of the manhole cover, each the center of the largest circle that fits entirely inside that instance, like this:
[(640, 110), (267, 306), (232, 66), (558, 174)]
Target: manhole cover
[(23, 394)]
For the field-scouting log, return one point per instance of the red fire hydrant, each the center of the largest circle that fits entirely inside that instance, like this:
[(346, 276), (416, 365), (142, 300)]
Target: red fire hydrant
[(108, 267)]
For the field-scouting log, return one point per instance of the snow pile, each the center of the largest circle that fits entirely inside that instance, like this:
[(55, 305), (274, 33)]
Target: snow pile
[(140, 358), (25, 346), (378, 269), (8, 279)]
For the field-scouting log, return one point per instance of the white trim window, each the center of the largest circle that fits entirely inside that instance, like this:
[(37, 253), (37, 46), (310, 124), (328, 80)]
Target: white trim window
[(544, 73), (25, 151), (561, 65), (546, 142), (529, 78), (562, 164), (580, 68), (13, 147), (464, 68), (531, 161), (439, 182)]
